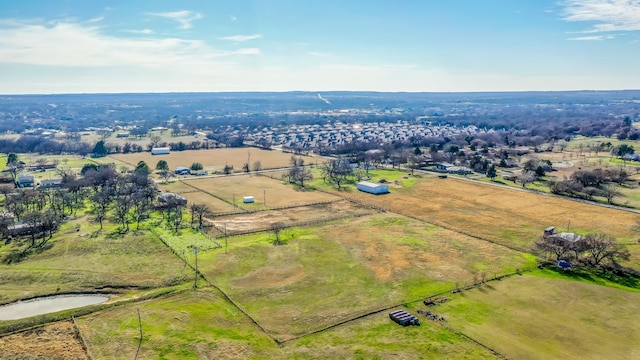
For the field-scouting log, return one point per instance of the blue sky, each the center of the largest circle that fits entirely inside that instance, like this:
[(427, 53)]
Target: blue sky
[(81, 46)]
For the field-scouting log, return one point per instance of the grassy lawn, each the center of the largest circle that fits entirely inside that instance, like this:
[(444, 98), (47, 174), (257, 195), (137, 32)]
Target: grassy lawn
[(79, 259), (547, 316), (330, 273)]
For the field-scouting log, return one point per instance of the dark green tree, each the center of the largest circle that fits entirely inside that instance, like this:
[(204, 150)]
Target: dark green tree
[(491, 172), (196, 166), (12, 158), (162, 165), (142, 168), (100, 149)]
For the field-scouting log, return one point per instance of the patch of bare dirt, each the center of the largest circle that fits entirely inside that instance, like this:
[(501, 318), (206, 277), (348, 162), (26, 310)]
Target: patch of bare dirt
[(51, 342)]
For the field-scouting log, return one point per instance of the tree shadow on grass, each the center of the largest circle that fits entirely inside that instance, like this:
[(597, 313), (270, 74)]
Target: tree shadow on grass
[(600, 277)]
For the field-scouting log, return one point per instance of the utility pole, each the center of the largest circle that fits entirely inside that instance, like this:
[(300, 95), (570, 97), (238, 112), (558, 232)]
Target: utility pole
[(226, 242), (264, 196), (195, 279)]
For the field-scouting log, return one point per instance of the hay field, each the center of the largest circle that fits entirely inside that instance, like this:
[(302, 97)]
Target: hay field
[(215, 159), (277, 193), (536, 317), (54, 341), (329, 273), (506, 216)]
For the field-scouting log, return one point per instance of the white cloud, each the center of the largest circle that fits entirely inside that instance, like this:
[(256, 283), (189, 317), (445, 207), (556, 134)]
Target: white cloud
[(69, 44), (592, 38), (143, 31), (183, 17), (319, 54), (241, 38), (606, 15), (233, 18)]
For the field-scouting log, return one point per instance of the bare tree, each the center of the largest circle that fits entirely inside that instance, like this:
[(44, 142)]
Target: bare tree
[(198, 213), (527, 177), (601, 247), (277, 228)]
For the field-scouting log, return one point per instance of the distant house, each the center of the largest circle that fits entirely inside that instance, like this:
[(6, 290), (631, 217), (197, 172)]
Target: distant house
[(168, 198), (25, 180), (372, 187), (160, 151), (122, 135), (181, 170), (49, 184), (565, 237), (444, 166), (202, 172), (460, 170)]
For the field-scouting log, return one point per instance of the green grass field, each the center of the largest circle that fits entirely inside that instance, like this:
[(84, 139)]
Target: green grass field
[(546, 316), (329, 273), (79, 260)]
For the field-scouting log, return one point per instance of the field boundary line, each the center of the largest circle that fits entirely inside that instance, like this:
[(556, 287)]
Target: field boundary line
[(290, 225), (224, 294), (432, 222), (80, 337), (211, 194), (403, 304)]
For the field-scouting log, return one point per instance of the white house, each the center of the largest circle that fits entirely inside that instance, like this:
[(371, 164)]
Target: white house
[(160, 151), (373, 188)]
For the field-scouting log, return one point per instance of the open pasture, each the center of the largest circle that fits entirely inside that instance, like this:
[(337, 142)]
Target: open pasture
[(506, 216), (215, 159), (189, 325), (547, 317), (262, 220), (336, 271), (77, 261), (274, 192)]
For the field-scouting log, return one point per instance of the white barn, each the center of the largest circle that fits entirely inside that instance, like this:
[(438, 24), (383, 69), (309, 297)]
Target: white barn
[(248, 199), (160, 151), (373, 188)]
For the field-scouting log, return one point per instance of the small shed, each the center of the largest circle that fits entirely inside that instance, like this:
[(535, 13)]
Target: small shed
[(248, 199), (160, 151), (372, 187)]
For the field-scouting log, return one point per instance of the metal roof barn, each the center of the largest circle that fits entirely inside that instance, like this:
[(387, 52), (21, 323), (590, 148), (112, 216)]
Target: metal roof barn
[(372, 187)]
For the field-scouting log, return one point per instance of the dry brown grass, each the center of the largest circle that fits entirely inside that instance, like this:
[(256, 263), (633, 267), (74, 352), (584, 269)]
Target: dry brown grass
[(215, 159), (55, 341), (263, 219), (277, 193), (507, 216)]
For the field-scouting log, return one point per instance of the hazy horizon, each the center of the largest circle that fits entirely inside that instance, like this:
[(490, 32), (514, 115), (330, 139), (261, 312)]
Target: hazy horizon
[(79, 47)]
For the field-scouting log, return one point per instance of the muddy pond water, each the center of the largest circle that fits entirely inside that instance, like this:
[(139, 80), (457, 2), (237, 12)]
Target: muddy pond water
[(45, 305)]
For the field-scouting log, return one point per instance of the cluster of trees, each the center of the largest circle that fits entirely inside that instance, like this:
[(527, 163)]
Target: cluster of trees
[(594, 250), (298, 173), (339, 172), (589, 183)]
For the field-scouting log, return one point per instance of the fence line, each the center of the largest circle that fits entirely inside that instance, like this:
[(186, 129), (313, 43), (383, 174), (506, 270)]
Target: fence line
[(80, 337)]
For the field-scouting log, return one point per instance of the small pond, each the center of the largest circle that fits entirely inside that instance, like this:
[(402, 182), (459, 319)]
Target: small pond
[(45, 305)]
